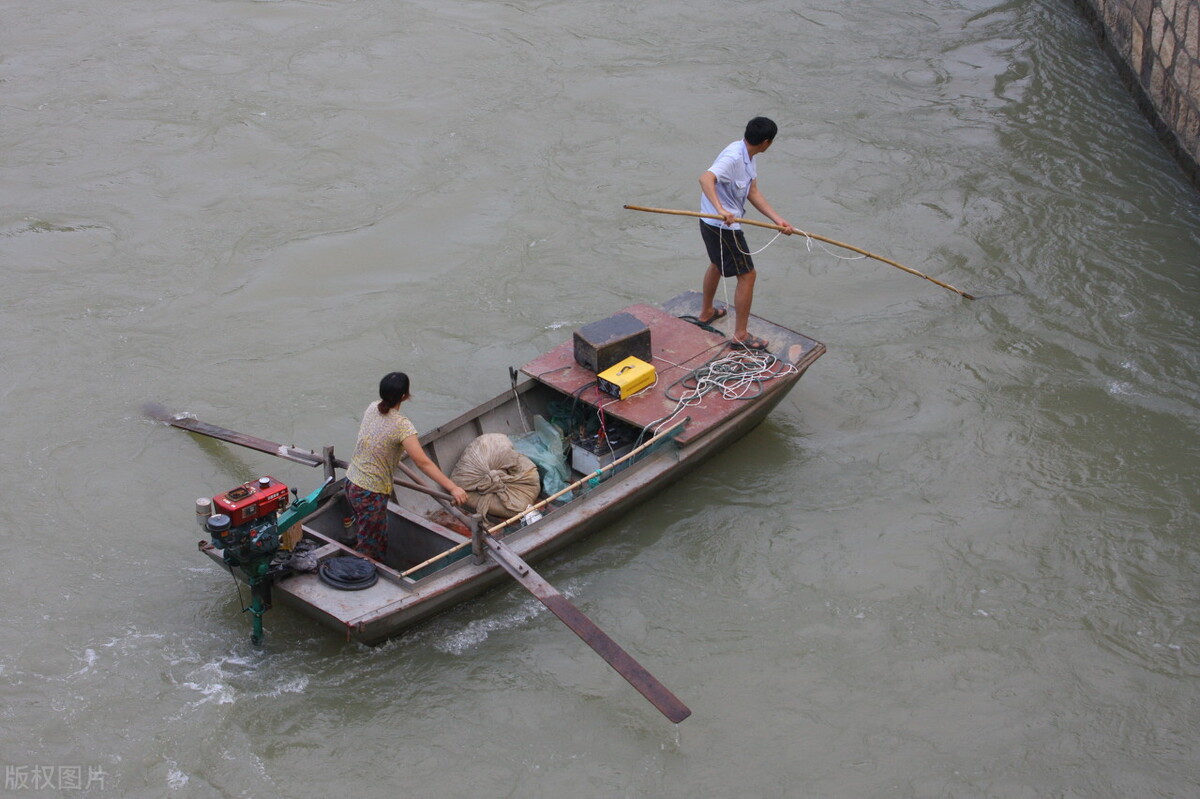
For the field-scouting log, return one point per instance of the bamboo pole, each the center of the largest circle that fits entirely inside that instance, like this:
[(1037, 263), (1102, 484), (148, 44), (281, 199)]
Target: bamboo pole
[(834, 242), (436, 557)]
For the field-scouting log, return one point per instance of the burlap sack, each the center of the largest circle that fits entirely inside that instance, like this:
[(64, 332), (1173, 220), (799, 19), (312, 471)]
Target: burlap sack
[(499, 481)]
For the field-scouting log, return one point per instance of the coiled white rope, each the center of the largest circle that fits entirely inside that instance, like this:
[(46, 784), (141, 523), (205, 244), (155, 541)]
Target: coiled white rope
[(737, 375)]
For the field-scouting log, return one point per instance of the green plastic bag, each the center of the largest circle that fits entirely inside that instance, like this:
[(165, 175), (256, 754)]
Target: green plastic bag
[(545, 447)]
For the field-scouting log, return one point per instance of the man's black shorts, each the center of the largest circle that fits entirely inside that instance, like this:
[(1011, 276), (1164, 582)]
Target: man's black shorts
[(727, 249)]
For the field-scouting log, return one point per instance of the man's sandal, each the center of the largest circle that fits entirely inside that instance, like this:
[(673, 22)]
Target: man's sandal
[(750, 343)]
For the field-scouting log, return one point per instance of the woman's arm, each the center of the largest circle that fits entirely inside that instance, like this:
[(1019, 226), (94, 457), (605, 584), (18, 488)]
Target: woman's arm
[(417, 455)]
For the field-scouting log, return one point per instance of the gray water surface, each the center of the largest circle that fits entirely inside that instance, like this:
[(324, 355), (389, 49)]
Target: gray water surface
[(960, 560)]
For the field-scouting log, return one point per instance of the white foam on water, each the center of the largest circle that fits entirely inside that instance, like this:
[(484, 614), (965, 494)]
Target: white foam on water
[(176, 779), (477, 631), (296, 685)]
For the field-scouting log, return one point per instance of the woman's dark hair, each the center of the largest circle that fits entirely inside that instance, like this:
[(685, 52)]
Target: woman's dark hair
[(759, 130), (393, 388)]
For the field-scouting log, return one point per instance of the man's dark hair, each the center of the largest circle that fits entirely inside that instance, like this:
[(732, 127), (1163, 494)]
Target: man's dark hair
[(759, 130)]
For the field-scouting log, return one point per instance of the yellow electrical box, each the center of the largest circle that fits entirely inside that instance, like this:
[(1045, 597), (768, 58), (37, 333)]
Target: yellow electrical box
[(625, 378)]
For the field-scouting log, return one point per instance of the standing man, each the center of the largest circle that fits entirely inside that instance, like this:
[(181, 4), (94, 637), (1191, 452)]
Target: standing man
[(726, 185)]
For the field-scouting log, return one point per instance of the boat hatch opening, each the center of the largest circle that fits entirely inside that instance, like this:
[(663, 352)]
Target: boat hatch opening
[(412, 540), (601, 465), (584, 485)]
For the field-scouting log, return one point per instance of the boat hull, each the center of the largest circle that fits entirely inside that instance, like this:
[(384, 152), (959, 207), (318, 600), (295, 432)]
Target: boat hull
[(409, 593)]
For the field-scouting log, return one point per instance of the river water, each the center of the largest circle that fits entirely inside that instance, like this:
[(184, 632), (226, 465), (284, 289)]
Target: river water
[(960, 560)]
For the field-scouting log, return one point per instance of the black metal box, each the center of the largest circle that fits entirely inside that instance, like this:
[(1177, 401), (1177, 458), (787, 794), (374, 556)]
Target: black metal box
[(602, 344)]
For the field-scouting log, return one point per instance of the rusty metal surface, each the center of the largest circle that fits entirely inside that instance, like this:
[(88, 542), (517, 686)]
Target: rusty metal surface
[(678, 347)]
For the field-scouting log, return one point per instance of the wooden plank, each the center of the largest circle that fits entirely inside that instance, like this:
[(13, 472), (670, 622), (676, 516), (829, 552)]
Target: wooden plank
[(646, 683), (162, 414), (637, 676)]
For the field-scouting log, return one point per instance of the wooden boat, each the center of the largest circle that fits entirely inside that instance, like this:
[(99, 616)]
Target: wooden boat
[(429, 566), (432, 564)]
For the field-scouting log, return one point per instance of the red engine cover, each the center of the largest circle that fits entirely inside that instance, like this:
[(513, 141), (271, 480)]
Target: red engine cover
[(250, 501)]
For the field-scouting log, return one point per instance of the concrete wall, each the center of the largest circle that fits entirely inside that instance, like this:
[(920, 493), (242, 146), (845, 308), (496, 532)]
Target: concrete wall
[(1156, 46)]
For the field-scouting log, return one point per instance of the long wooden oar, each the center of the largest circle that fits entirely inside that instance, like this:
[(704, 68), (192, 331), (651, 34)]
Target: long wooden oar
[(162, 414), (646, 683), (637, 676), (305, 456), (834, 242)]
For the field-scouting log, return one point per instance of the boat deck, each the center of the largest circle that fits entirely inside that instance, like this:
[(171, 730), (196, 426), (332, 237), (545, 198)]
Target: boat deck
[(677, 347)]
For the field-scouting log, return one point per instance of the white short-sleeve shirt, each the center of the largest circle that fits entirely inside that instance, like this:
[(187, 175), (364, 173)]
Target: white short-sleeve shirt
[(735, 170)]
